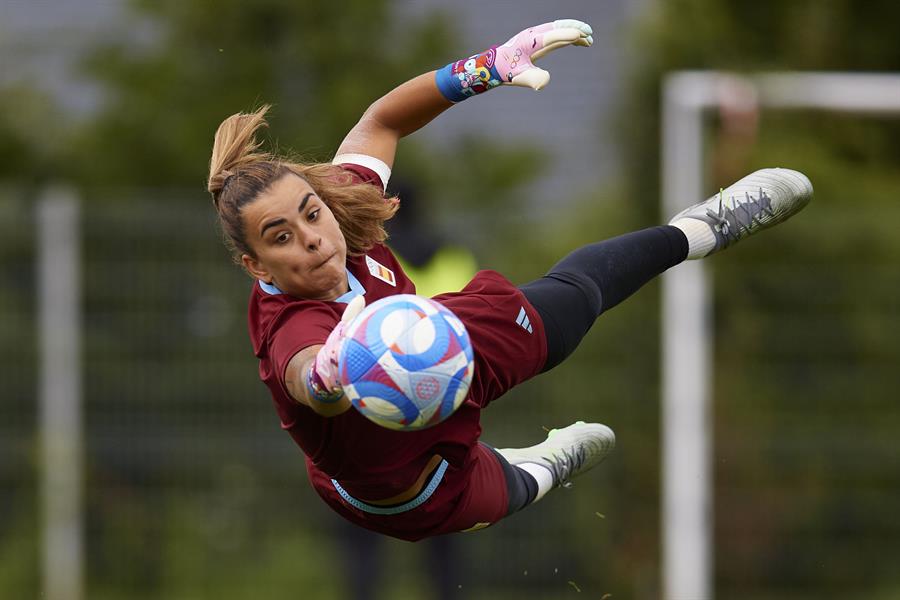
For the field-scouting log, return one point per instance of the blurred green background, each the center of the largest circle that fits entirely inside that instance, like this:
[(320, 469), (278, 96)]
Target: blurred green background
[(191, 489)]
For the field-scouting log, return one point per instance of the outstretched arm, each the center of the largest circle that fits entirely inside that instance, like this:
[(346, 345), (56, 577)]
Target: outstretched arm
[(415, 103), (402, 111)]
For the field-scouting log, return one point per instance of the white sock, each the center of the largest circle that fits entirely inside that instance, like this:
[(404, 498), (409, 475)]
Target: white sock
[(542, 475), (700, 237)]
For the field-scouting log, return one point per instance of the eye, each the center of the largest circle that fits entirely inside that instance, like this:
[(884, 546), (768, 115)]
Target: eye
[(313, 215), (282, 237)]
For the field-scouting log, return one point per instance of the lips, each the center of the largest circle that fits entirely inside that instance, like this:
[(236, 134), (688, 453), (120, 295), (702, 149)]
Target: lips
[(324, 262)]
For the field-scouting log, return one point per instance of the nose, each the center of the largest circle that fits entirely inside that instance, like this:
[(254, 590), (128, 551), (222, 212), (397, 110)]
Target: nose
[(312, 240)]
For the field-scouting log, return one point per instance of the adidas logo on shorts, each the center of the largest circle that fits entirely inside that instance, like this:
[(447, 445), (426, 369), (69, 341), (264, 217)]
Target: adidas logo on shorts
[(522, 320)]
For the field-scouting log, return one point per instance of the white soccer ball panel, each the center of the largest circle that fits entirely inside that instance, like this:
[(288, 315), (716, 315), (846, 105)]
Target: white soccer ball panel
[(396, 324), (456, 324), (421, 336), (386, 423), (462, 391), (381, 408)]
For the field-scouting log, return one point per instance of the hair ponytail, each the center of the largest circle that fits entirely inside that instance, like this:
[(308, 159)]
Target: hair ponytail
[(235, 146)]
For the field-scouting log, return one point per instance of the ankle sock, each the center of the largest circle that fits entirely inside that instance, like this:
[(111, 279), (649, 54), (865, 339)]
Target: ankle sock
[(700, 237), (542, 476)]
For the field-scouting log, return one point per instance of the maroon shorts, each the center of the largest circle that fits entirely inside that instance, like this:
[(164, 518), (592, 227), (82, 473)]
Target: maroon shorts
[(506, 332), (510, 347), (465, 500)]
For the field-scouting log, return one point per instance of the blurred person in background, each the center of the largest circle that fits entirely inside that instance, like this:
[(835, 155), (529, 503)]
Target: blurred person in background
[(312, 236)]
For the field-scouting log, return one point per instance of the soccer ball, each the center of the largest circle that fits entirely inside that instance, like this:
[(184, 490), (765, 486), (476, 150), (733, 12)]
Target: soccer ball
[(406, 362)]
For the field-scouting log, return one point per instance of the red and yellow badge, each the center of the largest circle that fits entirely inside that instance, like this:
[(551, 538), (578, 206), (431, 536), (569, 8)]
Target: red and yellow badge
[(379, 271)]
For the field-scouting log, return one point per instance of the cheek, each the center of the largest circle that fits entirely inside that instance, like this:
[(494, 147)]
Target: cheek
[(337, 237)]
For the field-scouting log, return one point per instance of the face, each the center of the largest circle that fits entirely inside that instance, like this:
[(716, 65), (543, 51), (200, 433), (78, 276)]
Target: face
[(298, 244)]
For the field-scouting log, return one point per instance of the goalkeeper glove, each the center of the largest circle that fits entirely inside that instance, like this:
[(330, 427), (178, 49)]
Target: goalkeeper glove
[(321, 379), (512, 63)]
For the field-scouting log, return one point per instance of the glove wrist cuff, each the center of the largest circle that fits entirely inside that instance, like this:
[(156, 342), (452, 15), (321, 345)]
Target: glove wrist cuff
[(468, 77), (318, 390)]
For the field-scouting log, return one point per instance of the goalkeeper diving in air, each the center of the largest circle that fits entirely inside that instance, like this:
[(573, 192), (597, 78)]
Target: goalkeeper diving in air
[(312, 237)]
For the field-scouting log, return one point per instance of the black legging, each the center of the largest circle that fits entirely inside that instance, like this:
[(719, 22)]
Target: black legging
[(594, 278), (521, 487), (580, 287)]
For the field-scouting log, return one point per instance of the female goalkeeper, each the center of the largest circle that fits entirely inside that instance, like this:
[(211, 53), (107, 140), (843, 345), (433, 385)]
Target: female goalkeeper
[(311, 236)]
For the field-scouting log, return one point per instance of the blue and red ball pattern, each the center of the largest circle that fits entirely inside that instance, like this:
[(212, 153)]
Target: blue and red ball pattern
[(406, 363)]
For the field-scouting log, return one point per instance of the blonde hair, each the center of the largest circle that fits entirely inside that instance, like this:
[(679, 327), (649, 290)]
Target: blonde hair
[(239, 172)]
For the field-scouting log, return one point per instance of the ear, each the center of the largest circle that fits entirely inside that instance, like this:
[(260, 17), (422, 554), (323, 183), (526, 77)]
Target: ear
[(255, 268)]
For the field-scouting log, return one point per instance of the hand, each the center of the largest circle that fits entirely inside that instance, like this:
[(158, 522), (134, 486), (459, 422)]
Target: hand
[(515, 59), (512, 63), (321, 380)]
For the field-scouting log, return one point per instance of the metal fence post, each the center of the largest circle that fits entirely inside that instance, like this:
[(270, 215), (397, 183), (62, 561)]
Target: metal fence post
[(59, 302)]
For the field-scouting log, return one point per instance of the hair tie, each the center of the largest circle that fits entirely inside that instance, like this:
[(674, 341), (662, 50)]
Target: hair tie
[(228, 175)]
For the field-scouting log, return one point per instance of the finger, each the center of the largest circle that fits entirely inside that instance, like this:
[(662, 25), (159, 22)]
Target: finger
[(354, 307), (548, 48), (533, 78), (573, 24), (559, 38), (567, 35), (530, 32)]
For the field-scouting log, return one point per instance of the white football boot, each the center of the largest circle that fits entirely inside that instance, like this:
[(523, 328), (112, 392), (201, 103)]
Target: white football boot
[(756, 202), (567, 452)]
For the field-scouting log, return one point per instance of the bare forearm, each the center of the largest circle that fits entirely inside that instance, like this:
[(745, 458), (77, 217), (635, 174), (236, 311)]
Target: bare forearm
[(402, 111), (410, 106)]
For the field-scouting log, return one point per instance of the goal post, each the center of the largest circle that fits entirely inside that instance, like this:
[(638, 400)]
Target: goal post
[(686, 345)]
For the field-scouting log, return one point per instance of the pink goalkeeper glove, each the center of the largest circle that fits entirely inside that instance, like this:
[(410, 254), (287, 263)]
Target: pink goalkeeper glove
[(512, 63), (321, 379)]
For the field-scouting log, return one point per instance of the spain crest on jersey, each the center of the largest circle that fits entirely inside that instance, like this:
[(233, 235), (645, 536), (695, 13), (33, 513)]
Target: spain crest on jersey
[(379, 271)]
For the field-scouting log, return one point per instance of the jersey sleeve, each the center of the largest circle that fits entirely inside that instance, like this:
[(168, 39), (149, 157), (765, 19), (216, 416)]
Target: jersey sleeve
[(365, 169), (296, 328)]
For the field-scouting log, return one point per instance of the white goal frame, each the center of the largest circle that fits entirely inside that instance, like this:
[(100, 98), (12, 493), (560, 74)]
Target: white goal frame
[(687, 365)]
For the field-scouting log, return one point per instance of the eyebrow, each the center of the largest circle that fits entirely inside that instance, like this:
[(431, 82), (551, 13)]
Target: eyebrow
[(281, 221)]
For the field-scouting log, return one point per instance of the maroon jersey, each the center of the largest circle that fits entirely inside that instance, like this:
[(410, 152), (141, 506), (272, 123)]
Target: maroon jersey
[(372, 462)]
